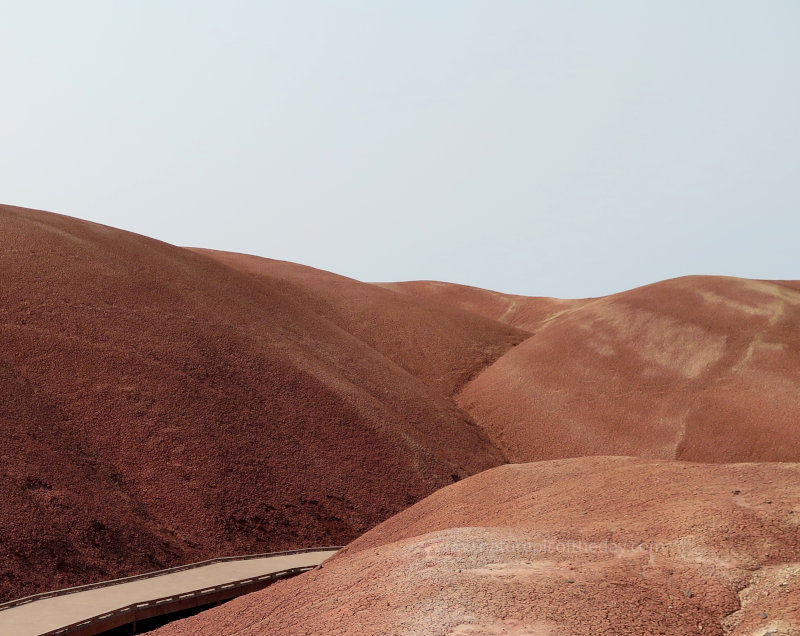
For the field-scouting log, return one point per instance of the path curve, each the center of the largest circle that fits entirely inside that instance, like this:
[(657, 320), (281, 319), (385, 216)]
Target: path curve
[(92, 609)]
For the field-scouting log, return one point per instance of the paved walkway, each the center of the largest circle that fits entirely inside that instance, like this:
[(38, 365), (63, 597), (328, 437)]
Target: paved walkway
[(44, 615)]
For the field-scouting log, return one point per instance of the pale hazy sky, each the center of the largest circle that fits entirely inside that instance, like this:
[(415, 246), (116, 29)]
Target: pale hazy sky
[(545, 148)]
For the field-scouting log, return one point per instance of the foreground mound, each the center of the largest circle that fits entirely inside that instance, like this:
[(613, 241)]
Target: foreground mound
[(600, 545), (700, 368), (159, 407)]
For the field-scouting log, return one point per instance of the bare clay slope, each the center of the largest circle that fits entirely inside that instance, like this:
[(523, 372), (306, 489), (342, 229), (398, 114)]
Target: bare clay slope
[(403, 328), (578, 547), (699, 368), (159, 407)]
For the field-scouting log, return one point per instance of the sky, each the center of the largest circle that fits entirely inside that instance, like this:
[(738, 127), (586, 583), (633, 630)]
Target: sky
[(547, 148)]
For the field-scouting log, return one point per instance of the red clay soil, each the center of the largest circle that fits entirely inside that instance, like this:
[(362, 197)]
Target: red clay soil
[(699, 368), (161, 407), (586, 546)]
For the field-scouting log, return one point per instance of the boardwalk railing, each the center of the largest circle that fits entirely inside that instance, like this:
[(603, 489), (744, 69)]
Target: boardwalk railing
[(168, 604)]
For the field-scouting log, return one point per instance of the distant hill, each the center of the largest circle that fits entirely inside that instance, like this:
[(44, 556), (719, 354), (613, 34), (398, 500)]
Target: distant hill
[(701, 368)]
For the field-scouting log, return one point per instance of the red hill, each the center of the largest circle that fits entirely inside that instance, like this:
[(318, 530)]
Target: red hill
[(700, 368), (160, 406)]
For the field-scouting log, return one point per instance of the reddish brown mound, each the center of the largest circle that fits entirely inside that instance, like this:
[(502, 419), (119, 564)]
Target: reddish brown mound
[(159, 407), (525, 312), (404, 329), (583, 546), (699, 368)]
